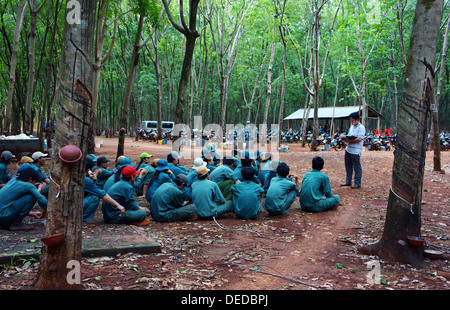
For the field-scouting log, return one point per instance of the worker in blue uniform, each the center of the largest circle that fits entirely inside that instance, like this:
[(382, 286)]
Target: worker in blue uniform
[(316, 194), (168, 204), (246, 196), (18, 198), (281, 193), (124, 193), (92, 196), (6, 158), (208, 198), (224, 177)]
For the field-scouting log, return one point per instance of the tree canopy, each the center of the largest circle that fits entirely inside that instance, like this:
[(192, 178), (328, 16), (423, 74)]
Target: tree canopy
[(365, 48)]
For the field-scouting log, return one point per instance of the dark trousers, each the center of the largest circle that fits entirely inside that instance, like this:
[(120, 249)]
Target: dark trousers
[(353, 163)]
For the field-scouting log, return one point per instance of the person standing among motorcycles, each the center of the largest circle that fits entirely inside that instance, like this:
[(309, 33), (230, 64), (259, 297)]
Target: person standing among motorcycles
[(353, 151)]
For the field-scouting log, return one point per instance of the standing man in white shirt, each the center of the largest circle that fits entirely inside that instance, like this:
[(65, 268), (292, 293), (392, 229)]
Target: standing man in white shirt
[(355, 141)]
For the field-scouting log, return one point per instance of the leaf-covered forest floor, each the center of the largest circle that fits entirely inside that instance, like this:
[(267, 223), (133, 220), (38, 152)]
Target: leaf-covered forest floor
[(301, 251)]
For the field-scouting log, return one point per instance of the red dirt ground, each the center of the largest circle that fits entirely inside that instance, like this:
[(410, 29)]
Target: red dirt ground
[(301, 251)]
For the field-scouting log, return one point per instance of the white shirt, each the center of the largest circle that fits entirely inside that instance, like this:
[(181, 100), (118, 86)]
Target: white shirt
[(358, 131)]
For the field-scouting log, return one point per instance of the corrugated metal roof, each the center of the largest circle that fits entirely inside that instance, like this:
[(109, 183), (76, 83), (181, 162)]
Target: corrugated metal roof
[(327, 112)]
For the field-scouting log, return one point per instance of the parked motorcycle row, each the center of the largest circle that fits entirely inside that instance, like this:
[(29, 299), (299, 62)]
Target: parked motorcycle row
[(373, 141), (444, 142)]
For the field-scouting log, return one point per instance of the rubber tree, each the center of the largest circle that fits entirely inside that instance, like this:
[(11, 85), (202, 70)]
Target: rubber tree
[(403, 216), (143, 9), (191, 34), (22, 7), (73, 107)]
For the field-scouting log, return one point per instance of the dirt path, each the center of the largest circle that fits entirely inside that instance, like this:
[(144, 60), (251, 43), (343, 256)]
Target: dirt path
[(301, 250)]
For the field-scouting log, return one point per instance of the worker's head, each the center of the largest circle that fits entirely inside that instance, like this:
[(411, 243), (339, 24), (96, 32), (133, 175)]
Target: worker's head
[(202, 172), (6, 157), (89, 165), (181, 181), (173, 158), (283, 169), (129, 174), (248, 173), (28, 175), (228, 161), (354, 118), (246, 162), (317, 163)]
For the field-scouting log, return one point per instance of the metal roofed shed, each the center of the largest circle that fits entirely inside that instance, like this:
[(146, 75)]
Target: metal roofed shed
[(329, 113)]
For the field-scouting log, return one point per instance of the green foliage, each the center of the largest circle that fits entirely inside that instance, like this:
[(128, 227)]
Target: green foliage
[(353, 32)]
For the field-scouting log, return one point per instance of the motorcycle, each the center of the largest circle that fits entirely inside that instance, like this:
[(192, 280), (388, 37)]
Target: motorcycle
[(445, 142), (337, 143)]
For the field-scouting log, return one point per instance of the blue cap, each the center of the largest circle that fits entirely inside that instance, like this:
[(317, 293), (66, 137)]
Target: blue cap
[(162, 165), (92, 157), (125, 162)]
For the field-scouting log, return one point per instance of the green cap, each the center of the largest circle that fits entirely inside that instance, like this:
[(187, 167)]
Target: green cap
[(145, 155)]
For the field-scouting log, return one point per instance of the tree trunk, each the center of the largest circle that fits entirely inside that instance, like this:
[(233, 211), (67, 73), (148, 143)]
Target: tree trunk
[(47, 103), (100, 34), (435, 109), (12, 69), (403, 217), (65, 199), (126, 101), (269, 78), (191, 35)]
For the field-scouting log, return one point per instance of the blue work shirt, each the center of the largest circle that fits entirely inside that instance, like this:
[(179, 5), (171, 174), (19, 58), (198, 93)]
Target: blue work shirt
[(222, 173), (160, 179), (246, 197), (16, 190), (90, 188), (315, 185), (205, 196), (277, 194), (165, 200), (123, 192), (4, 175)]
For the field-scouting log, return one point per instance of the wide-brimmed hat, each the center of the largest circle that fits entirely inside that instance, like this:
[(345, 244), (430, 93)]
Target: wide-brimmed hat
[(125, 162), (202, 171), (162, 165), (198, 162)]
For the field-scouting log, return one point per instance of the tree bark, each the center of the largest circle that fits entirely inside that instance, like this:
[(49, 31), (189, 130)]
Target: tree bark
[(403, 217), (65, 199), (435, 110)]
